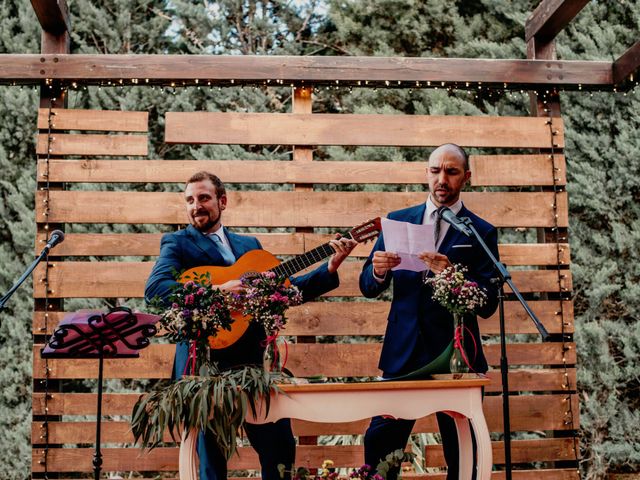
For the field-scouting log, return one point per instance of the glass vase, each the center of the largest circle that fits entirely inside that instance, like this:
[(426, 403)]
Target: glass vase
[(457, 364)]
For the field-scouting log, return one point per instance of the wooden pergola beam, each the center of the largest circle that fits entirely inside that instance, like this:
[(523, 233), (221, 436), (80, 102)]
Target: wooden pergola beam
[(299, 70), (53, 15), (550, 17), (626, 68)]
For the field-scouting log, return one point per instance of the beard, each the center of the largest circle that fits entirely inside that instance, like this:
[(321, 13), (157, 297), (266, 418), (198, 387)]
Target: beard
[(209, 224)]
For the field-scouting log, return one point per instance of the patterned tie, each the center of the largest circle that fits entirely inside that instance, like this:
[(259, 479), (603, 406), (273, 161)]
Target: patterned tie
[(227, 255)]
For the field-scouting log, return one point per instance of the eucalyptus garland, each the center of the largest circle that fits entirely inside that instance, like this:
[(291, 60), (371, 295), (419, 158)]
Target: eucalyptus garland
[(218, 402)]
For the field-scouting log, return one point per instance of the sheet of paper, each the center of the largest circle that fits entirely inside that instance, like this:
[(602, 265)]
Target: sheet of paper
[(408, 240)]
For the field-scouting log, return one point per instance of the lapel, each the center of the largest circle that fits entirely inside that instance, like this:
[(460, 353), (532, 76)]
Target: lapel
[(205, 245), (453, 237), (416, 214)]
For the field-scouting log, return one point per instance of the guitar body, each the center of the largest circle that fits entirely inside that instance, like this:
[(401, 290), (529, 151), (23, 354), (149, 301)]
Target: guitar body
[(258, 261), (252, 261)]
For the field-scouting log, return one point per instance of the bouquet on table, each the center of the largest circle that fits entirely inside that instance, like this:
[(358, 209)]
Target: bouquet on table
[(196, 312), (265, 297), (460, 297)]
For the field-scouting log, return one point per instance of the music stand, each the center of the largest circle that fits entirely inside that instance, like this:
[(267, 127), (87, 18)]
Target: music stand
[(118, 333)]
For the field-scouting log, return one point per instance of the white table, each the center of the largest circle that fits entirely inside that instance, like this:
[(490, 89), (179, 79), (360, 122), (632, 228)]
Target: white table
[(461, 399)]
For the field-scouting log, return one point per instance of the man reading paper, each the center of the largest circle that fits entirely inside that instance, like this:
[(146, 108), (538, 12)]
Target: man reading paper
[(419, 328)]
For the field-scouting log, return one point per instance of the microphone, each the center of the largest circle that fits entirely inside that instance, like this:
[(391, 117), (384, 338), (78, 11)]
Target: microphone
[(446, 214), (56, 237)]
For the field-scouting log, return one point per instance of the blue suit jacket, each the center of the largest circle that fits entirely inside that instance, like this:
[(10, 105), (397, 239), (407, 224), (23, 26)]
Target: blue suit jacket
[(189, 248), (418, 327)]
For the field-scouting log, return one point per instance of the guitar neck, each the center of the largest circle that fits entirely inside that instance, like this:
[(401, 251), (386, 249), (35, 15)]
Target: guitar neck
[(299, 263)]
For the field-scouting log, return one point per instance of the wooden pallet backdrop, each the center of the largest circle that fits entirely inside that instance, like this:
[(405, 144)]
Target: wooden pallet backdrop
[(99, 147)]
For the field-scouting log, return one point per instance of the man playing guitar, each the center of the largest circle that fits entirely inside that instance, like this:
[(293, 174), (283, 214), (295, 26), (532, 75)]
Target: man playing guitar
[(206, 242)]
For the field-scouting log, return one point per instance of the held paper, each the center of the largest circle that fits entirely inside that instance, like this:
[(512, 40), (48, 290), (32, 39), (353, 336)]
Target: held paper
[(408, 240)]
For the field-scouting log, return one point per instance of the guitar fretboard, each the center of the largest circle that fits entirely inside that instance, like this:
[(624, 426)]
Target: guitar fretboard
[(288, 268)]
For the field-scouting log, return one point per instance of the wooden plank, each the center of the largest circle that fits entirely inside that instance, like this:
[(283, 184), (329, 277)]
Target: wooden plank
[(534, 254), (53, 16), (370, 318), (304, 360), (289, 209), (627, 65), (166, 459), (92, 144), (148, 244), (550, 17), (249, 69), (127, 280), (356, 129), (530, 406), (528, 413), (522, 451), (537, 474), (93, 120), (514, 170)]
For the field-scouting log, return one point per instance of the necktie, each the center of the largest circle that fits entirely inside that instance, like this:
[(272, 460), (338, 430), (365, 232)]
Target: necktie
[(436, 225), (227, 255)]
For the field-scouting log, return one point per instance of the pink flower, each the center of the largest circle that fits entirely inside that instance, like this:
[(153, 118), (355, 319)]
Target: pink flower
[(189, 299)]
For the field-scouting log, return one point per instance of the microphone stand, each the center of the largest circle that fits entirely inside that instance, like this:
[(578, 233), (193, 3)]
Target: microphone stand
[(25, 275), (505, 277)]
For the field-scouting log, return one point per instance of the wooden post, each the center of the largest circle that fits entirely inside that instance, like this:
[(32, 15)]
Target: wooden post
[(302, 103), (53, 17), (547, 104)]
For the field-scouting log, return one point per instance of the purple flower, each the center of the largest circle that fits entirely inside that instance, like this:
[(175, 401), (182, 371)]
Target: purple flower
[(186, 313)]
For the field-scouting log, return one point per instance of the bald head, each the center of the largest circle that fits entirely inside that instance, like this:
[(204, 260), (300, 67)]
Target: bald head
[(447, 173), (452, 149)]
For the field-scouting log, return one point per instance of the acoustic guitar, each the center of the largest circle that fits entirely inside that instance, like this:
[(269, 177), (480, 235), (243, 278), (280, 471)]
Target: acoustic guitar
[(263, 261)]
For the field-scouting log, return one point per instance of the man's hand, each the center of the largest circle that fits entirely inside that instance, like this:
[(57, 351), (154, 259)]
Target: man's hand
[(383, 262), (232, 286), (436, 262), (343, 247)]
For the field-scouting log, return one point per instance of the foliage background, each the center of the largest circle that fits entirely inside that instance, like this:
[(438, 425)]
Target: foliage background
[(602, 150)]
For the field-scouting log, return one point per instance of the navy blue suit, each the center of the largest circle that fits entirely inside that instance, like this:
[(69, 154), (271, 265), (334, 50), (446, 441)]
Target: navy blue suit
[(189, 248), (419, 328)]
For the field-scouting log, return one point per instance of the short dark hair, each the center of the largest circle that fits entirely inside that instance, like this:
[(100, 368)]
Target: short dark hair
[(203, 175), (465, 155)]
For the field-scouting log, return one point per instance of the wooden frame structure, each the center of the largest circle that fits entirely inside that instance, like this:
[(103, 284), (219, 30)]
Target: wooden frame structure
[(541, 166)]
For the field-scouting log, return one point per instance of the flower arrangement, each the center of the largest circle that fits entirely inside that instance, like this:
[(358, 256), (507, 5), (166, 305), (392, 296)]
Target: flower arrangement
[(454, 292), (265, 298), (196, 312), (459, 296)]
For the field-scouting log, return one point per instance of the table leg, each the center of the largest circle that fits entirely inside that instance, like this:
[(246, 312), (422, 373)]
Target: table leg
[(465, 445), (485, 454), (188, 451)]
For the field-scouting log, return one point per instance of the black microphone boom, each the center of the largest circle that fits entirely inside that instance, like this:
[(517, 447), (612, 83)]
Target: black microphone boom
[(446, 214), (56, 237)]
